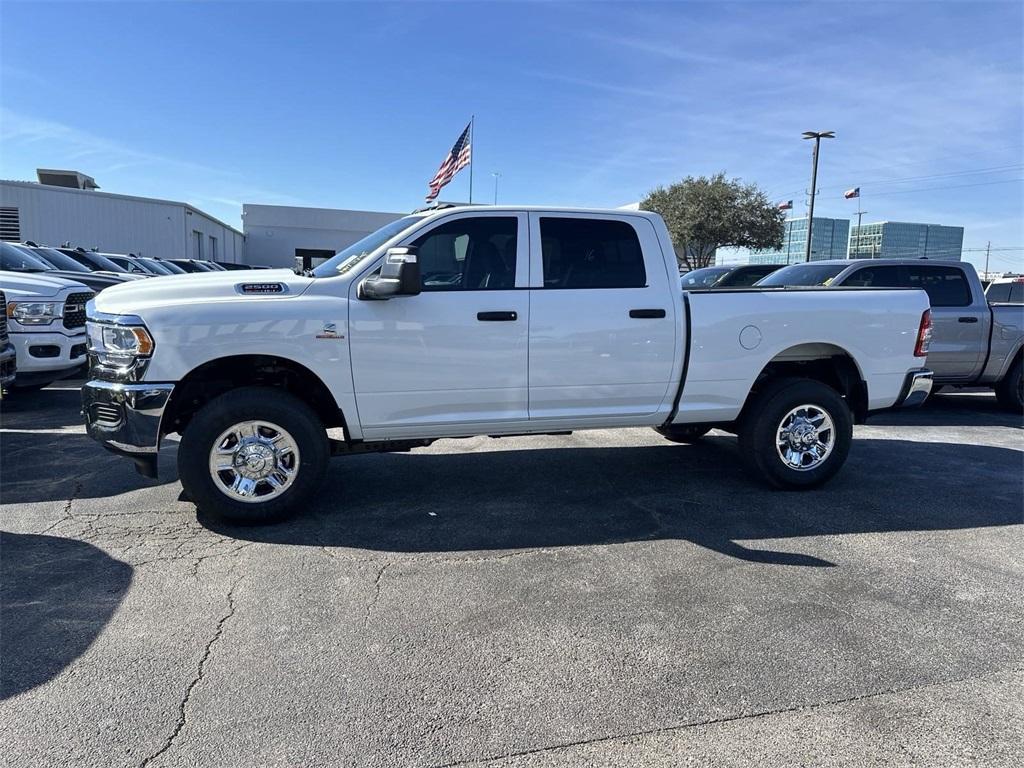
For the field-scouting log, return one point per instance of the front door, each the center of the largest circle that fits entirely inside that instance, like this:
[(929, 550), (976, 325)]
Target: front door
[(456, 354), (604, 324)]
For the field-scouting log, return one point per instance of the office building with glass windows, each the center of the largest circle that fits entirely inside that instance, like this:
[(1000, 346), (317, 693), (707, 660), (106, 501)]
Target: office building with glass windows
[(829, 239), (905, 240)]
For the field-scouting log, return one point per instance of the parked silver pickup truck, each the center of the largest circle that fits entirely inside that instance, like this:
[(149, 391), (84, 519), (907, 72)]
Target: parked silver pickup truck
[(974, 342)]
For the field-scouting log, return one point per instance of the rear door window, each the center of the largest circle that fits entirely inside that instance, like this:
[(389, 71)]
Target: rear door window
[(945, 286), (591, 253)]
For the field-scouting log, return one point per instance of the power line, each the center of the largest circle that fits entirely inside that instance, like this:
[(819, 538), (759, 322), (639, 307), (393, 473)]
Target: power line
[(905, 179), (954, 186)]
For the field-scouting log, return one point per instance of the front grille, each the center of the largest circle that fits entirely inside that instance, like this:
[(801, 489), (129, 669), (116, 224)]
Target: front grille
[(106, 414), (3, 319), (74, 309), (77, 350)]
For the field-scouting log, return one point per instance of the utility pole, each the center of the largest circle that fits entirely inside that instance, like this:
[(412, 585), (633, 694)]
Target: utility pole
[(988, 249), (817, 136)]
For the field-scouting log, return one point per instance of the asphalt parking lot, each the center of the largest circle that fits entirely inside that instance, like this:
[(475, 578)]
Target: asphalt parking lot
[(604, 598)]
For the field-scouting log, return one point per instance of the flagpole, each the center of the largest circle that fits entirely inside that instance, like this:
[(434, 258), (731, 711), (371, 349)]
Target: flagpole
[(472, 151)]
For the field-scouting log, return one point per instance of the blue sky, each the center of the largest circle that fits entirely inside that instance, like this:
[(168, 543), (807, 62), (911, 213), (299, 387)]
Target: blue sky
[(354, 105)]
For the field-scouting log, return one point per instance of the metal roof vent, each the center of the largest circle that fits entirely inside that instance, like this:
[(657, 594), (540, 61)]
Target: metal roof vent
[(71, 179)]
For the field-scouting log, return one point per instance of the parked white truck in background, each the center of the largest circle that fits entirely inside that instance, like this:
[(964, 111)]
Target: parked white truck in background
[(485, 321), (46, 324)]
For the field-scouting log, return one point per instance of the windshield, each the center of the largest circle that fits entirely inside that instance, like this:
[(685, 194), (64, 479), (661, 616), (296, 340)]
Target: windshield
[(344, 260), (58, 260), (94, 261), (746, 276), (798, 275), (169, 266), (703, 278), (14, 259), (155, 266)]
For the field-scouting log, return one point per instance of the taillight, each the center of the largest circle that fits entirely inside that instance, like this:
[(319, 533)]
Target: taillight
[(924, 335)]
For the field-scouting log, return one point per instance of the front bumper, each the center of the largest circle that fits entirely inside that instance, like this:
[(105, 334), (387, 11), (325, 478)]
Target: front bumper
[(48, 353), (125, 419), (916, 389)]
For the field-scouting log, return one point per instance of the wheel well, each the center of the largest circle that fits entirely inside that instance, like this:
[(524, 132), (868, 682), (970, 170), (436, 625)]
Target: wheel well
[(827, 363), (216, 377)]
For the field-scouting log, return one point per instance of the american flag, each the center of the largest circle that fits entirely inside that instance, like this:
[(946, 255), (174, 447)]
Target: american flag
[(852, 193), (457, 159), (786, 206)]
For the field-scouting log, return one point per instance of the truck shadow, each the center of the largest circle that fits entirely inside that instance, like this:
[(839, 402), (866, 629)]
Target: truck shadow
[(44, 409), (56, 595), (555, 497), (952, 408), (55, 466)]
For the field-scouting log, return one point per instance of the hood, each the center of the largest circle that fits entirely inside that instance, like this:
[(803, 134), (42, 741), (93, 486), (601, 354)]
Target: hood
[(95, 280), (198, 288), (29, 285)]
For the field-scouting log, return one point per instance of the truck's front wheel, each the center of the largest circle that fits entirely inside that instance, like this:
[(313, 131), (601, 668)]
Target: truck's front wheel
[(796, 433), (252, 455)]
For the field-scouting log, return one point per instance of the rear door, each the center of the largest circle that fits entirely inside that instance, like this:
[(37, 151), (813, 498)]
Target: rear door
[(958, 326), (456, 354), (604, 322)]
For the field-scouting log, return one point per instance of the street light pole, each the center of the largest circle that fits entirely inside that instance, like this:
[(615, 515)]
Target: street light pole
[(496, 175), (817, 136)]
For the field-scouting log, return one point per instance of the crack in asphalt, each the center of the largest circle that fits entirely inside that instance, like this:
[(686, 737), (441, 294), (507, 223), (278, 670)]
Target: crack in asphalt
[(720, 720), (66, 512), (200, 672), (376, 594), (453, 560)]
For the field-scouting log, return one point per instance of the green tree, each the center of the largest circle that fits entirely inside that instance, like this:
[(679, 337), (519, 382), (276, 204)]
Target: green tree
[(704, 214)]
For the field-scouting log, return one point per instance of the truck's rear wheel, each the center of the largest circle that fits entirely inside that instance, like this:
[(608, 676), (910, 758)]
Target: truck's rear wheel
[(1010, 391), (683, 433), (796, 433), (252, 455)]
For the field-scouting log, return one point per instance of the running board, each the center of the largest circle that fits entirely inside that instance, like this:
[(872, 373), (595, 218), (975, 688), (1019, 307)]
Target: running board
[(342, 448)]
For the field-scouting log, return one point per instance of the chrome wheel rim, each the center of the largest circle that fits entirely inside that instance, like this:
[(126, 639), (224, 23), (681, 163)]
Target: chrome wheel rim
[(805, 437), (254, 461)]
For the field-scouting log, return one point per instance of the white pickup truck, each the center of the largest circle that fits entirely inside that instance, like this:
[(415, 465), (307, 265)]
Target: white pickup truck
[(485, 321), (45, 318)]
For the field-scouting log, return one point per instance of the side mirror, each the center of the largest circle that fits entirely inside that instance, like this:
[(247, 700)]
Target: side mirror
[(399, 276)]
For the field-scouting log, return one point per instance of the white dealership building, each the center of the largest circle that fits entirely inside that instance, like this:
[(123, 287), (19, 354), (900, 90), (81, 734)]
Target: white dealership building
[(283, 235), (65, 207)]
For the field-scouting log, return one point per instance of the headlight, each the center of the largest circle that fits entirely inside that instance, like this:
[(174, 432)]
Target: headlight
[(35, 312), (118, 344)]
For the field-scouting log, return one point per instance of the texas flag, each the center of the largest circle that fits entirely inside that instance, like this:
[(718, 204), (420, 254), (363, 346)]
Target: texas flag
[(786, 206), (852, 193)]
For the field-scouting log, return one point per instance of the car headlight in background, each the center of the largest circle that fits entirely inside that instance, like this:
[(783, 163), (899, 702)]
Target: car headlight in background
[(118, 344), (35, 312)]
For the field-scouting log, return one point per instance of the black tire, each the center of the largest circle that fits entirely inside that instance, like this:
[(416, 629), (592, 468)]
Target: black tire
[(762, 422), (1010, 391), (252, 404), (683, 433)]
